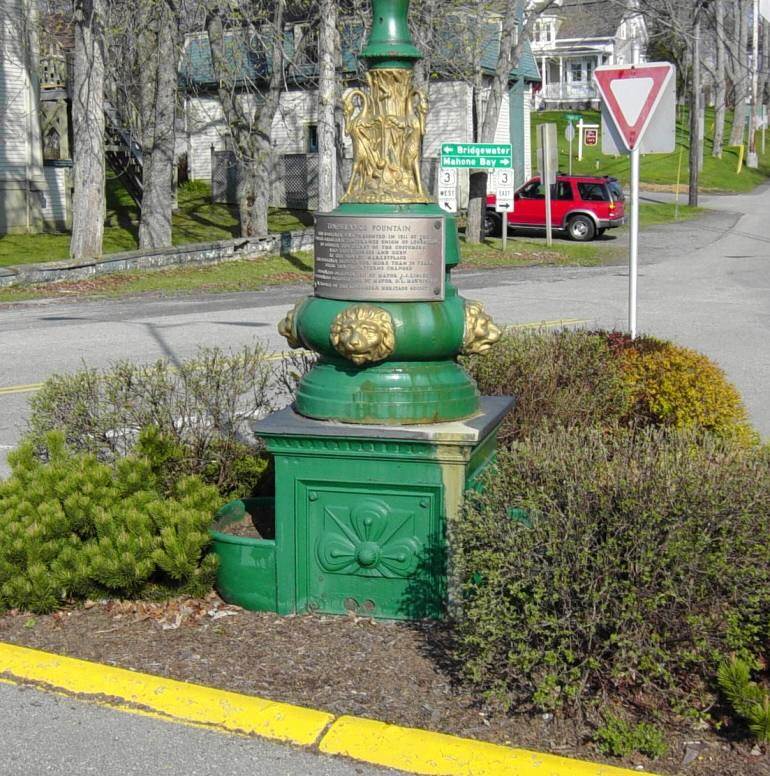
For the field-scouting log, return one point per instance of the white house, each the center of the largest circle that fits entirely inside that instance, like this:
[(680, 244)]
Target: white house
[(573, 37), (294, 131), (22, 184)]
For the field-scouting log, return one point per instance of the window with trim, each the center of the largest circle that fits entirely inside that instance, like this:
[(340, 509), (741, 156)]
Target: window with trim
[(305, 45), (312, 138), (576, 72)]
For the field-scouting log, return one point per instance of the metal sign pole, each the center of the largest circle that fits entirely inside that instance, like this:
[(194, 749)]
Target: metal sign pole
[(547, 185), (633, 242)]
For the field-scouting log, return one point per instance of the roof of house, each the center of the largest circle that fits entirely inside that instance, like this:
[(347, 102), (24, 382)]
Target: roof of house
[(249, 59), (589, 19)]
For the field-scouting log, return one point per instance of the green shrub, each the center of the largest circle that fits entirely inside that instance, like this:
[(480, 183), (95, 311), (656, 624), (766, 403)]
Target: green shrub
[(572, 377), (562, 377), (647, 558), (619, 738), (749, 700), (201, 407), (75, 528)]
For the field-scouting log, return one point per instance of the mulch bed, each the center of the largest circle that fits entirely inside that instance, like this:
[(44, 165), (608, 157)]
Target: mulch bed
[(395, 672)]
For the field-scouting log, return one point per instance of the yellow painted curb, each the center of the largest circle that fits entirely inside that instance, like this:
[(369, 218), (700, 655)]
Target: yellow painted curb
[(366, 740), (420, 751), (179, 700)]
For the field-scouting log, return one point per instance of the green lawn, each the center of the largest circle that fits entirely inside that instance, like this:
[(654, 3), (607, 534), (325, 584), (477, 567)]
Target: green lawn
[(660, 169), (197, 220), (253, 274)]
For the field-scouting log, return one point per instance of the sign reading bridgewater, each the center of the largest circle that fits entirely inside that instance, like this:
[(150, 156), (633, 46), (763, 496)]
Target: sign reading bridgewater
[(476, 156), (379, 258)]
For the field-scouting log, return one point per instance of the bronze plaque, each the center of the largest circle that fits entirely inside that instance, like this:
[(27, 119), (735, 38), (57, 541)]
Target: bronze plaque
[(379, 258)]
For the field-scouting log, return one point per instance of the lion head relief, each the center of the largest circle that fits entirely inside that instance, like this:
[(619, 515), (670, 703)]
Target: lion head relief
[(363, 333), (480, 330)]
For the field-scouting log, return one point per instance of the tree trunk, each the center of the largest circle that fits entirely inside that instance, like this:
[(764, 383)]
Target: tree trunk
[(250, 132), (88, 201), (158, 53), (327, 91), (719, 80), (741, 73), (695, 113), (506, 59)]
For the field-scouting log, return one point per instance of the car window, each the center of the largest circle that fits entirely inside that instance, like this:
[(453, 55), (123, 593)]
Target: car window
[(594, 192), (617, 191), (563, 191), (532, 190)]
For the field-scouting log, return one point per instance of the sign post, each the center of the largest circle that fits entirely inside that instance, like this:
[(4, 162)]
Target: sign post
[(638, 109), (569, 133), (503, 183), (548, 162)]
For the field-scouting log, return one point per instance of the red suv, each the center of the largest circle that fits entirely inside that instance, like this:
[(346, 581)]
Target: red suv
[(582, 206)]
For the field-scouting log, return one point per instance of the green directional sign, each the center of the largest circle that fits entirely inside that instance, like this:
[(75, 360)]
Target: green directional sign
[(476, 156), (573, 117)]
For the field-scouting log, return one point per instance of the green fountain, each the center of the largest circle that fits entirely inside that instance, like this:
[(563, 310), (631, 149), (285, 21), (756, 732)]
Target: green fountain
[(387, 431)]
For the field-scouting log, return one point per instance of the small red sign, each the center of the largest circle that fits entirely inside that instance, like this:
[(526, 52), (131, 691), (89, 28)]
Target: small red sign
[(591, 137), (631, 94)]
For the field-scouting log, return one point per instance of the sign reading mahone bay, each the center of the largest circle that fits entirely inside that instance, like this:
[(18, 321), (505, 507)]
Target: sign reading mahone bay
[(379, 258)]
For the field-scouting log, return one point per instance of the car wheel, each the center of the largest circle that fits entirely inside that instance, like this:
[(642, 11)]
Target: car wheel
[(581, 228), (493, 224)]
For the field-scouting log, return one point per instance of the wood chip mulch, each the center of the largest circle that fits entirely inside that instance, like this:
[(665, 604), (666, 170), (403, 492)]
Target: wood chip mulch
[(395, 672)]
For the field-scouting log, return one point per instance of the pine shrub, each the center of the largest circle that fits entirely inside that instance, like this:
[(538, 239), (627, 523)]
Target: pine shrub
[(747, 698), (76, 528), (643, 559), (201, 407)]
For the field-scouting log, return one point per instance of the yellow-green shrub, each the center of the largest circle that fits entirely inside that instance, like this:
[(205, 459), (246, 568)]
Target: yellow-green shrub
[(677, 387)]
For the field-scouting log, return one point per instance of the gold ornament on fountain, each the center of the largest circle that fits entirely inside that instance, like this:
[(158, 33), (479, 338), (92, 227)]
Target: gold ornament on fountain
[(386, 124), (288, 326), (480, 330), (363, 333)]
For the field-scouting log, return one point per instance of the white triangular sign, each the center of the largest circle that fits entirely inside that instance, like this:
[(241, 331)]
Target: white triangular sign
[(631, 95)]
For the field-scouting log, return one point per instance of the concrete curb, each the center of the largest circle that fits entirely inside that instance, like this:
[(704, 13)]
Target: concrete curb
[(365, 740)]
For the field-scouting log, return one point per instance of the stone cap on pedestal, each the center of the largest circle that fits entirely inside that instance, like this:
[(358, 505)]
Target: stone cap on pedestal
[(470, 431)]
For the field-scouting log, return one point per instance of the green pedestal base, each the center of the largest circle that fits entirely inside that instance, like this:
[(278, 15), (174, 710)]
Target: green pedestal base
[(363, 514), (391, 393)]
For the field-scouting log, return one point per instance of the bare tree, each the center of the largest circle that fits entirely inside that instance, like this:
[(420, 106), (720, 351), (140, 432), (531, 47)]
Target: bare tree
[(328, 53), (88, 200), (720, 91), (738, 47), (249, 106), (515, 29), (158, 65)]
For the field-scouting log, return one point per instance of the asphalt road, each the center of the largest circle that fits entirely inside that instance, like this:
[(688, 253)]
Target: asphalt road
[(53, 734), (705, 284)]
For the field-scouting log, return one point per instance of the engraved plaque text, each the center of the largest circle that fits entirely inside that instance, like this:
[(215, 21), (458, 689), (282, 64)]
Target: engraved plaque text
[(379, 258)]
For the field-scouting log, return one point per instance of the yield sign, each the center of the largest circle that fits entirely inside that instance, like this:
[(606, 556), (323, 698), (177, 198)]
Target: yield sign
[(631, 94)]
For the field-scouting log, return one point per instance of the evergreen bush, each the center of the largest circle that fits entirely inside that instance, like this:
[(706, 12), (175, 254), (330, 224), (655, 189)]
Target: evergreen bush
[(76, 528), (747, 698), (201, 407), (644, 558)]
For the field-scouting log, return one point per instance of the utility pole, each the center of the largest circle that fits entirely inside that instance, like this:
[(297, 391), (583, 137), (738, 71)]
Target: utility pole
[(695, 114), (752, 160)]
